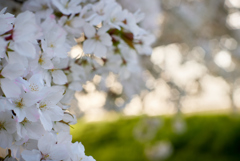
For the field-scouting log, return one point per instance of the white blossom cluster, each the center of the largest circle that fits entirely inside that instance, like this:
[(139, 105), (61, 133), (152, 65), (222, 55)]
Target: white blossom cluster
[(38, 77)]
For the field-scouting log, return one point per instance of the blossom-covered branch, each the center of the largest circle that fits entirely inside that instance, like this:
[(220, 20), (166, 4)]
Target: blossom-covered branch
[(39, 78)]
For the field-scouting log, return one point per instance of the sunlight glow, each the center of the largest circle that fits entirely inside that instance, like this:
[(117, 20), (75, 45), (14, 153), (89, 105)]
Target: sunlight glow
[(223, 59), (76, 51), (233, 20), (233, 3)]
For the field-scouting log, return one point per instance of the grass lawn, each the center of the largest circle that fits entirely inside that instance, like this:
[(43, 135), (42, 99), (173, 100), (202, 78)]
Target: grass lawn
[(206, 138)]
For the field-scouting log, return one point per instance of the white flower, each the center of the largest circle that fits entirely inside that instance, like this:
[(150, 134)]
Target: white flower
[(68, 7), (100, 12), (35, 84), (23, 144), (65, 139), (72, 25), (43, 61), (4, 104), (56, 74), (59, 77), (33, 155), (21, 61), (75, 85), (12, 71), (116, 17), (129, 63), (6, 21), (28, 129), (130, 23), (49, 111), (97, 42), (48, 149), (67, 120), (42, 8), (54, 42), (113, 63), (10, 88), (23, 106), (68, 96), (144, 45), (3, 47), (7, 128), (25, 33), (38, 80), (79, 154)]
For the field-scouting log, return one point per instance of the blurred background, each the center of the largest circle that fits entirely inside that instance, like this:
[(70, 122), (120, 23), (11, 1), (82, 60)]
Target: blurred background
[(188, 103), (194, 66), (184, 104)]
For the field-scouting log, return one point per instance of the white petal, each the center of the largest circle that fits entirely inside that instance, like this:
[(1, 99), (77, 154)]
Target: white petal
[(89, 30), (31, 98), (100, 50), (47, 78), (5, 105), (47, 64), (106, 39), (55, 113), (89, 46), (6, 139), (35, 130), (14, 57), (10, 88), (46, 142), (64, 137), (32, 114), (103, 29), (3, 45), (36, 82), (77, 86), (21, 114), (33, 155), (59, 77), (12, 71), (96, 20), (10, 126), (53, 98), (58, 152), (68, 96), (46, 121), (25, 49)]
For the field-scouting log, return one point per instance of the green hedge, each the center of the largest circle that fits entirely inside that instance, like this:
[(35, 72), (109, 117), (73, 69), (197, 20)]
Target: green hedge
[(206, 138)]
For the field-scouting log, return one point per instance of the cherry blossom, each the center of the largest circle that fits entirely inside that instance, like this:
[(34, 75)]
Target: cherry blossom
[(7, 128), (97, 42), (25, 33), (68, 6), (38, 77)]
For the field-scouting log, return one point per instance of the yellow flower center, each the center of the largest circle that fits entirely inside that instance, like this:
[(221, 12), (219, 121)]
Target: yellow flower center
[(2, 126), (97, 37), (41, 61), (19, 103), (34, 87), (42, 106), (24, 121), (44, 156), (113, 19), (68, 23), (44, 7)]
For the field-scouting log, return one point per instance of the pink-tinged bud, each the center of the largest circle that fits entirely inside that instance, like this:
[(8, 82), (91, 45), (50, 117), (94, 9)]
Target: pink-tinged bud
[(52, 16)]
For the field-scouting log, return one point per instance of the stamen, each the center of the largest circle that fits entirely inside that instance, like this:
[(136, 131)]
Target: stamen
[(19, 104)]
